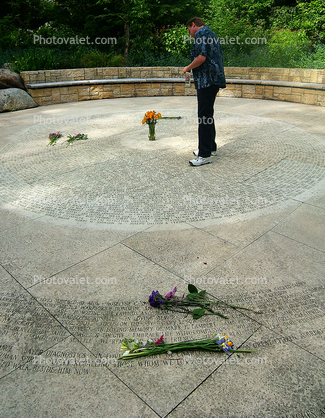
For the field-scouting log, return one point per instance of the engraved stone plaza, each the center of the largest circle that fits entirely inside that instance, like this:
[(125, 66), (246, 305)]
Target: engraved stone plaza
[(89, 230)]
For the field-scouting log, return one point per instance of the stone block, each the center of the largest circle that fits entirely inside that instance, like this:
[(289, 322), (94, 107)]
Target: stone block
[(282, 90), (121, 72), (42, 92), (268, 93), (297, 72), (83, 91), (165, 91), (242, 72), (126, 94), (37, 78), (127, 88), (110, 72), (135, 74), (145, 74), (296, 98), (321, 99), (248, 90), (96, 89), (155, 92), (73, 90), (90, 74), (66, 98), (226, 93), (51, 100), (64, 90), (179, 88), (78, 74), (155, 86), (142, 93), (309, 98), (106, 95), (141, 87), (259, 90), (55, 75)]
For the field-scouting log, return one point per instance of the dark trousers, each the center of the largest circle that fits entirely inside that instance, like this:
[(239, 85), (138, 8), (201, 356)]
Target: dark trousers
[(207, 131)]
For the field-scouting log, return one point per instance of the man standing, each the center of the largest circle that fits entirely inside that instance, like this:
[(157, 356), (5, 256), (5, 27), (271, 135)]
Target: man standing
[(209, 76)]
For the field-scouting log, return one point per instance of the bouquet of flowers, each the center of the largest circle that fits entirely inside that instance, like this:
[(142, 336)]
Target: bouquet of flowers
[(195, 299), (53, 137), (77, 137), (150, 118), (134, 348)]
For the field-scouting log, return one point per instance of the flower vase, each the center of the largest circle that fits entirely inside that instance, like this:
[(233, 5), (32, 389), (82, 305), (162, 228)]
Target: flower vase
[(152, 131)]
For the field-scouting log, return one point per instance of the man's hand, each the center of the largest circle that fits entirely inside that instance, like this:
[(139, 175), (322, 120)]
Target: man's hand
[(195, 63)]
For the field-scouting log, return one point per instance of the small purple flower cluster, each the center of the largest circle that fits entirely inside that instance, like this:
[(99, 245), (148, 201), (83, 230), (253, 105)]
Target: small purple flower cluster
[(153, 301)]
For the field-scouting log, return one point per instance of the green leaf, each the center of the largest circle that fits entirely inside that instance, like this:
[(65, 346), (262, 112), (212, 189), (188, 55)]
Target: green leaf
[(202, 293), (197, 313), (192, 288)]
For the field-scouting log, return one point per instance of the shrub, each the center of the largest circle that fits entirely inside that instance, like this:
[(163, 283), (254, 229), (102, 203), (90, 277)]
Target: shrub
[(95, 58)]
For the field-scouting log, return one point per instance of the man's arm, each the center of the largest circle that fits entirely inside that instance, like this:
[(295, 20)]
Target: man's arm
[(195, 63)]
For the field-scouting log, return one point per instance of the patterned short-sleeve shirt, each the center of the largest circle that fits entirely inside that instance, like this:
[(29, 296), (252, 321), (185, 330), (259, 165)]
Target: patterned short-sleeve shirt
[(211, 72)]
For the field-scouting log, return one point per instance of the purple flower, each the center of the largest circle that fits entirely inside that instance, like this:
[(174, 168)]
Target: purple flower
[(171, 294), (153, 301)]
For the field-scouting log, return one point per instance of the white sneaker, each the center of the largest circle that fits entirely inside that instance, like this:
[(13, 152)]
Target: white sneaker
[(200, 161), (213, 153)]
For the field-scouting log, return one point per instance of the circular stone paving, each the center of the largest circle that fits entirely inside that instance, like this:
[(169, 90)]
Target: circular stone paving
[(119, 177)]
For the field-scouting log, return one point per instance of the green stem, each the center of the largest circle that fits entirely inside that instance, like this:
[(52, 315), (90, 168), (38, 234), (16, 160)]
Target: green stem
[(205, 345)]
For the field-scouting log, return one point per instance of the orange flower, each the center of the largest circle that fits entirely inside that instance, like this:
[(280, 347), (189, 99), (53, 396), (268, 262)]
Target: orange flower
[(150, 116)]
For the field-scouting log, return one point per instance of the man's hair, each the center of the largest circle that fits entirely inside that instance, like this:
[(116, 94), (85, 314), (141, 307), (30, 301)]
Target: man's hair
[(197, 20)]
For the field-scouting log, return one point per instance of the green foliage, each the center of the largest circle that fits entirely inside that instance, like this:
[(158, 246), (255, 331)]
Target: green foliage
[(314, 25), (117, 61), (286, 47), (152, 33), (95, 58), (175, 40), (33, 59)]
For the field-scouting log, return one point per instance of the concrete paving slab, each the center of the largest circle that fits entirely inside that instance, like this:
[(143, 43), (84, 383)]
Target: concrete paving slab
[(27, 329), (105, 221), (242, 231), (280, 277), (54, 385), (185, 251), (306, 224), (272, 384), (42, 250)]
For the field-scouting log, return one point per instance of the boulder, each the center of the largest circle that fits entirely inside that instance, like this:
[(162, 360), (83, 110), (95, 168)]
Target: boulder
[(10, 79), (15, 99)]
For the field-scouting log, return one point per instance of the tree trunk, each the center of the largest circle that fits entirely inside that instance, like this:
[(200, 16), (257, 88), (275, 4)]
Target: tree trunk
[(127, 38)]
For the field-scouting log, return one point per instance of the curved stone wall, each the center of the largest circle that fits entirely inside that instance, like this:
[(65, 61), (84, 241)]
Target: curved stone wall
[(61, 86)]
